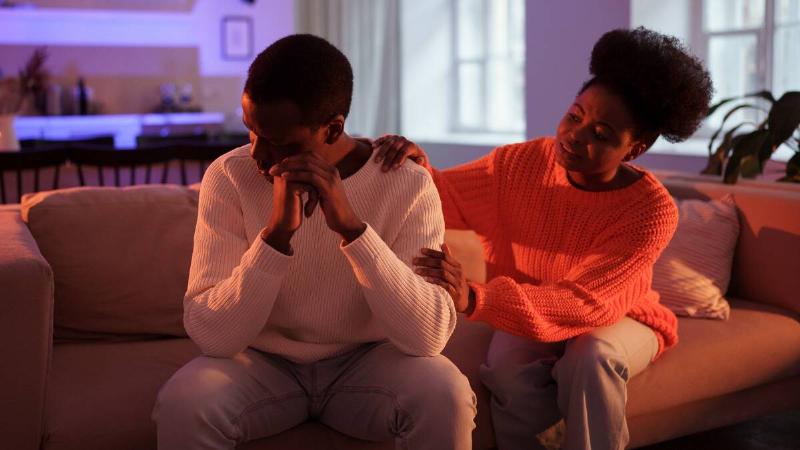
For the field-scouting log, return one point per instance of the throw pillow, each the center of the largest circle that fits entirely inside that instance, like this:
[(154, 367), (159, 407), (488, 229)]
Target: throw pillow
[(694, 271)]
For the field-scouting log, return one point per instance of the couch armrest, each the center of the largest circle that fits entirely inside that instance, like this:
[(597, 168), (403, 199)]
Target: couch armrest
[(26, 324)]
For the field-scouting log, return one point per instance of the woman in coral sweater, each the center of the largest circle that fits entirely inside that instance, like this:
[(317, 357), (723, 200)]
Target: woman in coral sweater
[(570, 233)]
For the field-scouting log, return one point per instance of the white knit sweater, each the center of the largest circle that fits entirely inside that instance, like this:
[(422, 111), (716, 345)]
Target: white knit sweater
[(326, 298)]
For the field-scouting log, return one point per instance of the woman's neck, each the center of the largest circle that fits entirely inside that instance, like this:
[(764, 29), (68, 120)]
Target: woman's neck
[(621, 177)]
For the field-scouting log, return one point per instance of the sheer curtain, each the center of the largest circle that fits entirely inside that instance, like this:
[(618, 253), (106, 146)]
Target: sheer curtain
[(367, 31)]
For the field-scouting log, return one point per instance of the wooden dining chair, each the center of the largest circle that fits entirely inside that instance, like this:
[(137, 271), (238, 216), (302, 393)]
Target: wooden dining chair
[(202, 154), (102, 158), (20, 162)]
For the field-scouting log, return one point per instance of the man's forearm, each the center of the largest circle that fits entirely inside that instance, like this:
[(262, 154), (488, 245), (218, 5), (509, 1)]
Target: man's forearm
[(278, 239), (418, 317)]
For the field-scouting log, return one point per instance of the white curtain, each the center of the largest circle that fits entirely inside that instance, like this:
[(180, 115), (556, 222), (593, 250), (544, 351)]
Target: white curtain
[(367, 31)]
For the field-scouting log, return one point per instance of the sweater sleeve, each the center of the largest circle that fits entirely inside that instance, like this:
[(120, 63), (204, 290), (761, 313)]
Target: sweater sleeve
[(418, 317), (233, 283), (470, 194), (597, 292)]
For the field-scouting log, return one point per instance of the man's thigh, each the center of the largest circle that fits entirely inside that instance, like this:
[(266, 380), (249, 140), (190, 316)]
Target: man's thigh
[(383, 393), (249, 396)]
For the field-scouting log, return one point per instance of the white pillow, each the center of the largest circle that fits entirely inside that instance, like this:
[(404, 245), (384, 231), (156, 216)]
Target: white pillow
[(693, 272)]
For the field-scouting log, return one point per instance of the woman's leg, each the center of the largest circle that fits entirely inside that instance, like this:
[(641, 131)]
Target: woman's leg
[(592, 377), (518, 374), (217, 403)]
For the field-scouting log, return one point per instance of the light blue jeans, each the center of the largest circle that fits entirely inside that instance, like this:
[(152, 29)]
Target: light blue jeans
[(375, 393), (583, 380)]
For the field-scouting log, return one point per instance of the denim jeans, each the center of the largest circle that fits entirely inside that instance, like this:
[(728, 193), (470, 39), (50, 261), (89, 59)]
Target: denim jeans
[(374, 393)]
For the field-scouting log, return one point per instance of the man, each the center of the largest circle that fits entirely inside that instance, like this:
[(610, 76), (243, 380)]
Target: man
[(301, 296)]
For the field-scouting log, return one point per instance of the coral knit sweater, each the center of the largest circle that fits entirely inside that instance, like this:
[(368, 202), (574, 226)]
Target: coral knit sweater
[(560, 261)]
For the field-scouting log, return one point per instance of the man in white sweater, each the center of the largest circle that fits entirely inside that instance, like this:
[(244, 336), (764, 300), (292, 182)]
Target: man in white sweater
[(301, 296)]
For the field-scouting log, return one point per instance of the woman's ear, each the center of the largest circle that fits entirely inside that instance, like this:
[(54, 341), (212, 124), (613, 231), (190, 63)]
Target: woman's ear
[(636, 150), (335, 129), (640, 146)]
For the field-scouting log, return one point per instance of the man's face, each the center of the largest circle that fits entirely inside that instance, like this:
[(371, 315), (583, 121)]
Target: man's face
[(277, 132)]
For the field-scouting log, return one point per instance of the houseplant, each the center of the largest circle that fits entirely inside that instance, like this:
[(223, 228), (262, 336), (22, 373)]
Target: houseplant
[(14, 92), (740, 152)]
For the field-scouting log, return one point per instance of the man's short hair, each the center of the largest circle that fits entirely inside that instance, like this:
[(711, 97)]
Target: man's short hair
[(306, 70)]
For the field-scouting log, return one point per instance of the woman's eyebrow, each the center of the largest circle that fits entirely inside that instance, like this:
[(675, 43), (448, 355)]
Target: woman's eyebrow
[(607, 125)]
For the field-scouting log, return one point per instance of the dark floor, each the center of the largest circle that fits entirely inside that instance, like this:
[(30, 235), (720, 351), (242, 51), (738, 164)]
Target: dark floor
[(776, 432)]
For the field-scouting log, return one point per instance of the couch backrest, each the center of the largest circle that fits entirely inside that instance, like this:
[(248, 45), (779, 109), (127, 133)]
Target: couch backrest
[(766, 266), (120, 257)]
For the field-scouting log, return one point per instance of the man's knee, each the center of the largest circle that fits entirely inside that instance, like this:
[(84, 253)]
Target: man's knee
[(192, 391), (439, 385)]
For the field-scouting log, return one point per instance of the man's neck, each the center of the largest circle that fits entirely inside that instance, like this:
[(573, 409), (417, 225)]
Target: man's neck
[(348, 155)]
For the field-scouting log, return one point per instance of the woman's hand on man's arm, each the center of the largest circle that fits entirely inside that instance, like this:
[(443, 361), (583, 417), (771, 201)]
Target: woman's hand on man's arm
[(442, 268)]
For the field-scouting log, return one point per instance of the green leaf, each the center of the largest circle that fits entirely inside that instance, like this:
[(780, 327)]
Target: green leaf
[(793, 166), (766, 95), (765, 152), (717, 160), (747, 145), (725, 119), (784, 117), (750, 166), (788, 179)]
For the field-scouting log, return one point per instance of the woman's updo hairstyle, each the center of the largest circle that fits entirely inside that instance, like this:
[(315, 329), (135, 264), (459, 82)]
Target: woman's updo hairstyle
[(666, 89)]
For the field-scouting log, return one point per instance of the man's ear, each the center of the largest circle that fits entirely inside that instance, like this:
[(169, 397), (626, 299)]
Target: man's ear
[(335, 129)]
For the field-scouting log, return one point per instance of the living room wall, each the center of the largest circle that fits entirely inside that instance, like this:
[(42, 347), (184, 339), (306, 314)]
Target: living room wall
[(125, 54)]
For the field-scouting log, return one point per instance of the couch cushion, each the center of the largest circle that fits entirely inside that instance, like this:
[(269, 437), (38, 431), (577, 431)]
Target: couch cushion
[(120, 257), (757, 345), (100, 395)]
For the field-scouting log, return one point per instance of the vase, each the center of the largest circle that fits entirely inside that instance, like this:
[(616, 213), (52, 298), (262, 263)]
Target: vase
[(8, 137)]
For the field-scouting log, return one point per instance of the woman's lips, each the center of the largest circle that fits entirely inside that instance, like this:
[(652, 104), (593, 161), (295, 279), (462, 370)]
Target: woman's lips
[(566, 152)]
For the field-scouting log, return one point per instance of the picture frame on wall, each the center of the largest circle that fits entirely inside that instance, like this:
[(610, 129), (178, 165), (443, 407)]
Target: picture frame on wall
[(237, 37)]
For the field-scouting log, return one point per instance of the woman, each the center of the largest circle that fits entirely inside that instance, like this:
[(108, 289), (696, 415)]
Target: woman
[(570, 233)]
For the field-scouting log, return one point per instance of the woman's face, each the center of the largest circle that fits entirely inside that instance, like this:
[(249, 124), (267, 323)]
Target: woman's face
[(596, 133)]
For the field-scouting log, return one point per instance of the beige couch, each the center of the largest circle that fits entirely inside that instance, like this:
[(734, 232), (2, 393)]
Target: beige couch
[(90, 298)]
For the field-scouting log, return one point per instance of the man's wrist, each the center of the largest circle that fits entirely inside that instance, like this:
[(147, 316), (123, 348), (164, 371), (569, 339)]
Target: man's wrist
[(350, 234), (278, 239)]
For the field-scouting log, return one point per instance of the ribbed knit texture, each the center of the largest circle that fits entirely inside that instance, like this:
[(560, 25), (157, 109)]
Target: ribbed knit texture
[(325, 299), (560, 261)]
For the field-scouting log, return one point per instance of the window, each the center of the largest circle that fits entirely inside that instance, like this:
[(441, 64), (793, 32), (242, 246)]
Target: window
[(463, 70), (488, 66), (752, 45), (747, 45)]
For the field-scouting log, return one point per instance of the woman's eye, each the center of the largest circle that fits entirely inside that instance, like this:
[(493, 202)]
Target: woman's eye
[(574, 117), (600, 136)]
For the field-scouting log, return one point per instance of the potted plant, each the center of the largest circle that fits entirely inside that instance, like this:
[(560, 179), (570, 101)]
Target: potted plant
[(744, 153), (15, 91)]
